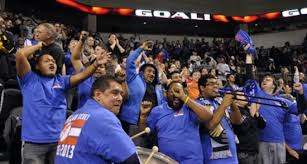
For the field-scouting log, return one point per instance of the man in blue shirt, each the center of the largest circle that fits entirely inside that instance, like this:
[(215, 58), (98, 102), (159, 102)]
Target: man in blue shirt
[(44, 103), (84, 88), (217, 136), (272, 148), (176, 123), (143, 85), (93, 134)]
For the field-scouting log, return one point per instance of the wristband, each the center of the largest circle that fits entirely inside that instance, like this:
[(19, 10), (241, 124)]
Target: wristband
[(186, 99)]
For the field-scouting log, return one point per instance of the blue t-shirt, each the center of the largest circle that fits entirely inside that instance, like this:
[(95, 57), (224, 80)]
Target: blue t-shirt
[(44, 107), (293, 132), (274, 116), (178, 133), (92, 135), (206, 141), (84, 90)]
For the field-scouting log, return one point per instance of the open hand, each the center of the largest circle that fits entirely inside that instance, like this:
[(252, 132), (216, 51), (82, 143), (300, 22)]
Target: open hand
[(178, 91), (147, 45)]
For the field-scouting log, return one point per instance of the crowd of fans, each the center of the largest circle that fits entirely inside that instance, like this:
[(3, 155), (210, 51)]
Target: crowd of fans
[(154, 76)]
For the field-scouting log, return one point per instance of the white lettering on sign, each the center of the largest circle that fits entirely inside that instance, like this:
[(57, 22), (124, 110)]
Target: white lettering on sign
[(162, 14), (144, 13), (294, 12), (168, 14)]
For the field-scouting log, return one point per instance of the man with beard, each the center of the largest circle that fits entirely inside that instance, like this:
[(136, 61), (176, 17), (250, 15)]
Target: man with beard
[(44, 103), (176, 123)]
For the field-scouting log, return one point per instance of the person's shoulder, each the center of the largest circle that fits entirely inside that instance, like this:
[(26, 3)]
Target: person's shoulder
[(158, 109)]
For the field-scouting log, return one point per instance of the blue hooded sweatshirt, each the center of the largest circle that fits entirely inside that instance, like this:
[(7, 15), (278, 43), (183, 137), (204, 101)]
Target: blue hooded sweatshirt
[(136, 89)]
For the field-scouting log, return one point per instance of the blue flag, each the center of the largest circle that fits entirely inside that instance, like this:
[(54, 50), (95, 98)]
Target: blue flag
[(246, 42)]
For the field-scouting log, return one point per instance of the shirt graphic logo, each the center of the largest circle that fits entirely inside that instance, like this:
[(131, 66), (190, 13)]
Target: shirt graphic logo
[(56, 85), (179, 113), (69, 135)]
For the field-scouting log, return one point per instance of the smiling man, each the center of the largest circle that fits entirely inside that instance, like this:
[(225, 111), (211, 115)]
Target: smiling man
[(93, 134)]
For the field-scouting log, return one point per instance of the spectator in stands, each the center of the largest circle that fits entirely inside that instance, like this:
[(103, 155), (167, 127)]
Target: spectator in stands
[(217, 137), (176, 140), (222, 69), (32, 41), (204, 71), (44, 88), (61, 37), (302, 77), (175, 76), (272, 142), (46, 33), (88, 51), (115, 47), (192, 85), (99, 141), (246, 122), (84, 88), (143, 86), (231, 82)]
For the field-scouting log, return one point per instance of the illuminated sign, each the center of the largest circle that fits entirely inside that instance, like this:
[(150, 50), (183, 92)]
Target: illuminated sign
[(168, 14), (294, 12), (181, 15)]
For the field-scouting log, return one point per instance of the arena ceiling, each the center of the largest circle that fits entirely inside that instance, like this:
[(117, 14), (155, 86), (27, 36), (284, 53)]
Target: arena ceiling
[(225, 7)]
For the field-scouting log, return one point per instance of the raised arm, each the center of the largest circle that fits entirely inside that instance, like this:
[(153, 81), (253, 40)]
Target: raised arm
[(249, 67), (121, 49), (131, 66), (88, 71), (22, 64), (76, 52)]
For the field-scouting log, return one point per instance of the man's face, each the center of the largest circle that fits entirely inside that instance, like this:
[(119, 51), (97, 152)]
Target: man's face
[(267, 84), (111, 98), (41, 34), (100, 71), (99, 50), (176, 77), (173, 101), (210, 89), (232, 78), (47, 65), (149, 74), (57, 27)]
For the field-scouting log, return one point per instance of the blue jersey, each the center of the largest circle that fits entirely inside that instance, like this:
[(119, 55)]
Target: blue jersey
[(206, 141), (92, 135), (44, 107), (178, 133), (274, 116)]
